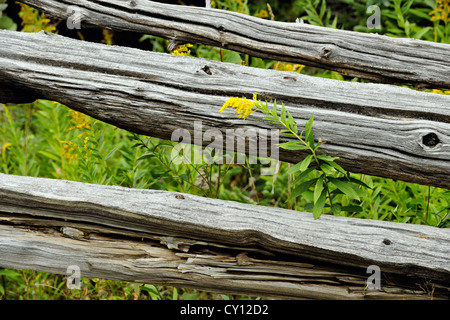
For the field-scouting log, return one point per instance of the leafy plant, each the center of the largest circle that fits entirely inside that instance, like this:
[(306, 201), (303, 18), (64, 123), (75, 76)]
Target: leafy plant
[(317, 13), (329, 173), (5, 21)]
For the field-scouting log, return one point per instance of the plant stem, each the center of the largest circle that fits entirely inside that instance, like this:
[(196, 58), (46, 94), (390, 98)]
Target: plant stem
[(428, 205)]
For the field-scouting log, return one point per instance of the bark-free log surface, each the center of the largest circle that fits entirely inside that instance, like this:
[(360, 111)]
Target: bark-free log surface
[(369, 56), (376, 129), (177, 239)]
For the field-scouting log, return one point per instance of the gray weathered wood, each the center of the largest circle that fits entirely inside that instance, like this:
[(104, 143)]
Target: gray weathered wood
[(162, 237), (373, 128), (369, 56)]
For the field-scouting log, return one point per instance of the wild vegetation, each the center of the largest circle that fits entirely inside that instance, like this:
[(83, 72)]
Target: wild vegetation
[(46, 139)]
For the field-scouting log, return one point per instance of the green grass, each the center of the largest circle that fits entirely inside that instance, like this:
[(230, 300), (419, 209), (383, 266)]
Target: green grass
[(46, 139)]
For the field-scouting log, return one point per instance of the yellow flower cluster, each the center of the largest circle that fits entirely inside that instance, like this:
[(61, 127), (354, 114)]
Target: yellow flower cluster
[(182, 50), (80, 122), (69, 151), (108, 36), (32, 21), (243, 107), (262, 14), (442, 11), (441, 91), (282, 66)]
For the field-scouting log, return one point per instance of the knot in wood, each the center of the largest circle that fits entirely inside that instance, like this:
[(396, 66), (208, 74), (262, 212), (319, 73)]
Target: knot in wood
[(430, 140), (207, 70), (325, 52)]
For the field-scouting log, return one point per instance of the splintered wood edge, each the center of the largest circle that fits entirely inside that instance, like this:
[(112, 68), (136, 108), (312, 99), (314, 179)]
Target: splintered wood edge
[(394, 247)]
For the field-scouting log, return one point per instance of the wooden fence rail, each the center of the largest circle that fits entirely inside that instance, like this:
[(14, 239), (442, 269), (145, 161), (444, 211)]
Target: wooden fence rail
[(369, 56), (168, 238), (176, 239), (376, 129)]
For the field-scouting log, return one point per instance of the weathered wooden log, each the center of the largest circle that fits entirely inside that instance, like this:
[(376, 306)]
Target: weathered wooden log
[(168, 238), (376, 129), (369, 56)]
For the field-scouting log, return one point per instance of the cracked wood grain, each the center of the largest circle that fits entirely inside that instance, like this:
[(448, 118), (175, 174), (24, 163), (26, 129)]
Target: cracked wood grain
[(369, 56), (156, 237), (375, 129)]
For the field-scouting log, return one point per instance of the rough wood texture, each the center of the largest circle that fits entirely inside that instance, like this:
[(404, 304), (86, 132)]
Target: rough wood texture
[(166, 238), (376, 129), (370, 56)]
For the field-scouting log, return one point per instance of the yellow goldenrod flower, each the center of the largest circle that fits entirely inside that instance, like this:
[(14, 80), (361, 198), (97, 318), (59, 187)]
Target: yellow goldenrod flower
[(182, 50), (243, 107), (441, 91), (108, 36), (80, 120), (282, 66), (262, 14), (69, 150), (6, 146), (32, 21)]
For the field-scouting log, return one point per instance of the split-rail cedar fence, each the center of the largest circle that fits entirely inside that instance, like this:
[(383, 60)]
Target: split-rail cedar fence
[(161, 237)]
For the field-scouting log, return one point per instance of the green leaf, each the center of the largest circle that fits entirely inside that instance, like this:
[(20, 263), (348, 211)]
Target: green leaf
[(336, 166), (319, 204), (109, 155), (291, 122), (422, 32), (346, 188), (287, 133), (145, 156), (7, 23), (326, 158), (356, 181), (326, 168), (283, 113), (308, 131), (301, 188), (302, 175), (323, 8), (318, 188), (336, 209), (293, 145), (305, 163), (294, 168), (274, 109), (50, 155)]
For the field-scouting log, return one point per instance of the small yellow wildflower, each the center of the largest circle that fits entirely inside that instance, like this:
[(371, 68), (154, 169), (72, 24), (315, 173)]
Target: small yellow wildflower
[(87, 149), (108, 36), (243, 107), (69, 150), (6, 146), (182, 50), (262, 14), (282, 66), (442, 11), (80, 120), (32, 21), (441, 91)]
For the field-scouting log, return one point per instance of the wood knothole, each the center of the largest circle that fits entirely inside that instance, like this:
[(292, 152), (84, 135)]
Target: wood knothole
[(133, 3), (387, 242), (290, 78), (430, 140), (207, 70), (325, 52)]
